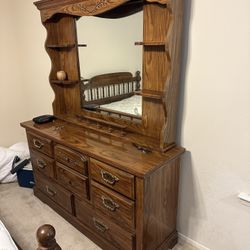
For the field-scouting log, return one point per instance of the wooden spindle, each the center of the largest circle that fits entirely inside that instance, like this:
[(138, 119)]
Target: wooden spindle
[(46, 238), (109, 91), (97, 93), (119, 89), (138, 80), (91, 94), (103, 92), (123, 86)]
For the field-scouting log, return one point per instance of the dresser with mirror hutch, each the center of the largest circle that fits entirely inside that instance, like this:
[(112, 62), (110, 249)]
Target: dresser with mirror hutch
[(109, 163)]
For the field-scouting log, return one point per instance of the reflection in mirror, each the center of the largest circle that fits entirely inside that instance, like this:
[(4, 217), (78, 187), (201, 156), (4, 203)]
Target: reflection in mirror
[(111, 64)]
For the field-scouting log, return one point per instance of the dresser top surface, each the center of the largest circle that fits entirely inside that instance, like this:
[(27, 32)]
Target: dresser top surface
[(113, 151)]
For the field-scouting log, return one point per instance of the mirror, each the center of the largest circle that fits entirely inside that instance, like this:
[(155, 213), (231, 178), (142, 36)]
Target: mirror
[(111, 64)]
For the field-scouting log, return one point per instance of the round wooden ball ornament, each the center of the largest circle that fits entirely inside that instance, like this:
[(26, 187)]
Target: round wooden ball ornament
[(61, 75)]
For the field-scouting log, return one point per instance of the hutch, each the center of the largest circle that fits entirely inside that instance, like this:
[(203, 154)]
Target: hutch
[(113, 175)]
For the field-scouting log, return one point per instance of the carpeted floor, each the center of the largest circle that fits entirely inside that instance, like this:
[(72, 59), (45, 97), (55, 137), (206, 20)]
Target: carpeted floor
[(22, 213)]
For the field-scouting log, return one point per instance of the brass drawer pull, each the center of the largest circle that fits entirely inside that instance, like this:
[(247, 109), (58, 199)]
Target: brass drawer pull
[(109, 204), (66, 159), (50, 192), (41, 164), (109, 178), (100, 226), (37, 143)]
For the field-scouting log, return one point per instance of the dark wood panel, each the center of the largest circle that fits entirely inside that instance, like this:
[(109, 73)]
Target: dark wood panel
[(99, 240), (113, 178), (117, 208), (42, 163), (67, 98), (39, 143), (56, 193), (158, 196), (172, 84), (155, 67), (72, 180), (120, 239), (72, 159)]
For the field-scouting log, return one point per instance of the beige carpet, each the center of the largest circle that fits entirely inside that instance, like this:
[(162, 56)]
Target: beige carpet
[(22, 213)]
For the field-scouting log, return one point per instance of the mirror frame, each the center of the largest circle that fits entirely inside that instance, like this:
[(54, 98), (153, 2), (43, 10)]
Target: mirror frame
[(162, 31)]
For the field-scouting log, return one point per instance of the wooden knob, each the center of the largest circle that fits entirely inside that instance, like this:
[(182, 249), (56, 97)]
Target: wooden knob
[(46, 238), (61, 75)]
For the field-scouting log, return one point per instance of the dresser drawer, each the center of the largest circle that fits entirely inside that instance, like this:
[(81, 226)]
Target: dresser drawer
[(42, 163), (56, 193), (40, 144), (72, 159), (114, 206), (106, 229), (72, 180), (113, 178)]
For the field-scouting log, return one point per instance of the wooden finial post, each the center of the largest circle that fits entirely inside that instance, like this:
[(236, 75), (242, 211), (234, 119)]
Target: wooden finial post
[(46, 238)]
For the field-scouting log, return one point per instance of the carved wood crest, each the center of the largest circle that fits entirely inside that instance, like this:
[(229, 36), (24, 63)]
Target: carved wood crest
[(82, 7)]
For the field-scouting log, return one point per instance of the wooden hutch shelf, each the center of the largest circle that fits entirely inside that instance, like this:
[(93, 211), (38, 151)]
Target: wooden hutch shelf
[(152, 43), (65, 82), (64, 46), (159, 95)]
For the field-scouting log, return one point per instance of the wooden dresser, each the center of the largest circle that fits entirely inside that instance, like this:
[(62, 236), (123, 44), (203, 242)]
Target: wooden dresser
[(112, 178)]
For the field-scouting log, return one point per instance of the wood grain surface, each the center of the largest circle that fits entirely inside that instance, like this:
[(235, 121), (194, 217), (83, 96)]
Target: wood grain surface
[(114, 178), (120, 154)]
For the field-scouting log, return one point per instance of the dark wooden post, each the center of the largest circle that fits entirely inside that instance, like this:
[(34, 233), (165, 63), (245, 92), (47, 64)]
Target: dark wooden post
[(46, 238)]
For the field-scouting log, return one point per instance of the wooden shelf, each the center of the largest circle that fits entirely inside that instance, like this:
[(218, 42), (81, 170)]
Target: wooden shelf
[(64, 46), (65, 82), (158, 95), (101, 121), (153, 43)]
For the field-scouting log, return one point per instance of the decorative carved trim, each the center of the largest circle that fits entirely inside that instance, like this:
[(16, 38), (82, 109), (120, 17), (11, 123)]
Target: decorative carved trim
[(82, 8), (160, 1), (48, 4), (49, 8)]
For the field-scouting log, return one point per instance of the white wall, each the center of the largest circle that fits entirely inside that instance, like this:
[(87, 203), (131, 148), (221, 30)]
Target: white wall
[(215, 116), (24, 68), (12, 106), (216, 125)]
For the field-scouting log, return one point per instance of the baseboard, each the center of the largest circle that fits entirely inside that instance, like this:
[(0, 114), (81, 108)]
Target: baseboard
[(184, 239)]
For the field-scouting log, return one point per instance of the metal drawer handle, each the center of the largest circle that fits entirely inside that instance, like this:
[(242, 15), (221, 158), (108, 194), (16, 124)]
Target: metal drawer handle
[(109, 204), (66, 159), (109, 178), (100, 226), (50, 192), (41, 164), (37, 143)]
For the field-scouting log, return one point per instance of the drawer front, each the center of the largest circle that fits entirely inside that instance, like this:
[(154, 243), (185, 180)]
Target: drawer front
[(113, 178), (56, 193), (40, 144), (107, 230), (42, 163), (114, 206), (72, 180), (72, 159)]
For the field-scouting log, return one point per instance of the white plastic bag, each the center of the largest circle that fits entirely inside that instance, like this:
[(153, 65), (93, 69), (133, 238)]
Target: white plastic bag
[(7, 156)]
